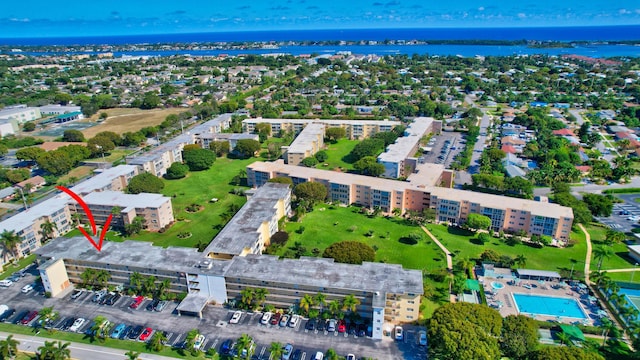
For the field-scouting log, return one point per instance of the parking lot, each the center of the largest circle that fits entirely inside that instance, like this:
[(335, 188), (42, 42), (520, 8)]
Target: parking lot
[(214, 325), (444, 148), (625, 215)]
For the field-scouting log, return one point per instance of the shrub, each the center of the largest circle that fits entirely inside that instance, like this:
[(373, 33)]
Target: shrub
[(350, 252), (279, 238)]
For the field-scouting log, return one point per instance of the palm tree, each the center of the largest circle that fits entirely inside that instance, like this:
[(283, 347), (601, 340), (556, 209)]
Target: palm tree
[(48, 315), (350, 302), (89, 277), (334, 307), (162, 288), (76, 217), (564, 338), (306, 302), (247, 297), (260, 295), (331, 355), (244, 343), (614, 237), (521, 260), (601, 253), (9, 347), (135, 281), (103, 277), (607, 326), (10, 241), (132, 355), (47, 230), (320, 299), (149, 285), (98, 329), (62, 351), (190, 340), (157, 341), (47, 351), (275, 350)]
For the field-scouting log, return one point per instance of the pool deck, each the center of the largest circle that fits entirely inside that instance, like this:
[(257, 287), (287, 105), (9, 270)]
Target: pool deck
[(503, 301)]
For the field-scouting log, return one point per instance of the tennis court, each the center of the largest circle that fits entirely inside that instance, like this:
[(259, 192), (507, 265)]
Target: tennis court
[(57, 130), (632, 295)]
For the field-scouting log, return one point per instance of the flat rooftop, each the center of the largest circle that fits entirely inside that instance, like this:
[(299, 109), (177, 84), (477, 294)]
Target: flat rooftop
[(102, 180), (242, 230), (323, 121), (325, 273), (125, 201), (404, 146), (426, 174), (28, 217), (307, 137), (139, 254), (228, 136), (16, 110)]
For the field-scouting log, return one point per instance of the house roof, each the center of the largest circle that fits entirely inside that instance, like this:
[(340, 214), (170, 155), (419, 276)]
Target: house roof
[(583, 168), (563, 132), (512, 140), (35, 181), (508, 149)]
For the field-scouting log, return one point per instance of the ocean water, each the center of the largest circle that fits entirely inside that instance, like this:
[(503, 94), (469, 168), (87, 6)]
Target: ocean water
[(595, 33)]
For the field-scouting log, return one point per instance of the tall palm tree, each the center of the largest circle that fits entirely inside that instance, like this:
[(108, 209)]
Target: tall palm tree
[(260, 295), (132, 355), (88, 277), (162, 288), (334, 307), (275, 350), (607, 326), (48, 230), (135, 281), (149, 285), (10, 241), (103, 277), (350, 302), (76, 217), (157, 341), (244, 343), (521, 260), (9, 347), (98, 329), (320, 299), (601, 253), (331, 355), (306, 302), (247, 297), (48, 315), (47, 351), (62, 351), (564, 338), (190, 340)]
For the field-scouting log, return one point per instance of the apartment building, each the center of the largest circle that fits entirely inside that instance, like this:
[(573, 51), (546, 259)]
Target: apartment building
[(206, 139), (20, 113), (355, 129), (26, 224), (307, 143), (155, 209), (54, 276), (159, 159), (57, 109), (421, 192), (251, 228), (395, 156)]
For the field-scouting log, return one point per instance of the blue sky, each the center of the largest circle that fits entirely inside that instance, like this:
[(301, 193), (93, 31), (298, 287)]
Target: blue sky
[(40, 18)]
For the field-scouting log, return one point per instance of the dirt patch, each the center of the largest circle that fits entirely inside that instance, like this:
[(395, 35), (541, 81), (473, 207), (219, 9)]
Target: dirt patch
[(124, 120)]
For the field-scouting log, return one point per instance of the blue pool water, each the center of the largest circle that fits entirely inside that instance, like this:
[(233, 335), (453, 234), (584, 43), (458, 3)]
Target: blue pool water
[(549, 306)]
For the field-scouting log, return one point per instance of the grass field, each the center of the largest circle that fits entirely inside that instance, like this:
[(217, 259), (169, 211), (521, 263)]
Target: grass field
[(199, 188), (123, 120), (329, 224), (22, 263), (337, 152), (620, 258)]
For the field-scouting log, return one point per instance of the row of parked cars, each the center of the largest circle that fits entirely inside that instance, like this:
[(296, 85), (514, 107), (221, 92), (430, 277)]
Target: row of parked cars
[(104, 297), (330, 325)]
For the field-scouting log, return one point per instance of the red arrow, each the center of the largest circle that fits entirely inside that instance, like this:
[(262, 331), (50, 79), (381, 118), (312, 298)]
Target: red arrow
[(92, 221)]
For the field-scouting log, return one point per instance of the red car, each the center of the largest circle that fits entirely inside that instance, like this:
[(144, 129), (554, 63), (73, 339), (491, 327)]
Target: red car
[(342, 326), (145, 334), (275, 319), (136, 302), (27, 318)]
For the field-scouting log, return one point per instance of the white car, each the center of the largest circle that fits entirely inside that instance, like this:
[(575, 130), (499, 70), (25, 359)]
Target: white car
[(422, 338), (265, 318), (294, 321), (77, 325), (236, 317), (351, 357), (6, 283), (199, 341), (399, 333), (319, 356), (27, 288)]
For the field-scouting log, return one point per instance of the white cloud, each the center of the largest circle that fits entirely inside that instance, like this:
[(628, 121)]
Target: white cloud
[(481, 8), (624, 12), (522, 16)]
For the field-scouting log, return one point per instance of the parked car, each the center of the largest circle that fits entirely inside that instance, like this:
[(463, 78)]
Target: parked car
[(362, 330), (7, 314), (99, 295), (145, 334), (264, 320), (136, 332), (76, 294), (286, 354), (136, 302), (331, 326), (114, 299), (226, 347), (152, 305), (422, 338), (19, 317), (297, 354), (77, 324), (311, 325), (275, 319), (319, 356), (321, 325), (125, 333), (6, 283), (293, 322), (342, 326), (235, 318), (351, 357), (399, 333), (199, 341), (29, 317), (106, 298), (161, 305), (117, 331), (67, 323), (25, 289), (284, 320)]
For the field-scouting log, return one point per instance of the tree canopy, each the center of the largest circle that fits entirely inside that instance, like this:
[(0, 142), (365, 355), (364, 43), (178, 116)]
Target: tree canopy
[(563, 353), (145, 182), (519, 336), (198, 159), (177, 171), (367, 147), (247, 147), (72, 135), (350, 252), (478, 222), (310, 191)]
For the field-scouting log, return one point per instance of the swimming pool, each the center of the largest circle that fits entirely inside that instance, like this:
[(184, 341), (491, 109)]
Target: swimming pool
[(549, 306), (496, 285)]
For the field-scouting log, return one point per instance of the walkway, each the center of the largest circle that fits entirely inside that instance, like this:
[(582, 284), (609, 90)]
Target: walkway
[(587, 260), (31, 344), (447, 254)]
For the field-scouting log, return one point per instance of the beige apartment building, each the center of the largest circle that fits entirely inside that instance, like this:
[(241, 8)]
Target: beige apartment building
[(54, 276), (307, 143), (355, 129), (421, 192), (155, 209)]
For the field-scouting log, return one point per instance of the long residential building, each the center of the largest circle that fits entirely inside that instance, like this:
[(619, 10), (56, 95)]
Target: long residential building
[(451, 205), (206, 139), (307, 143), (395, 156), (355, 129), (20, 113), (159, 159), (388, 294)]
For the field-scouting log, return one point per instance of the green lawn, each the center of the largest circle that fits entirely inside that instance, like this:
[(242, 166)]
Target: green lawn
[(328, 224), (462, 245), (619, 260), (22, 263), (199, 188), (337, 152)]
